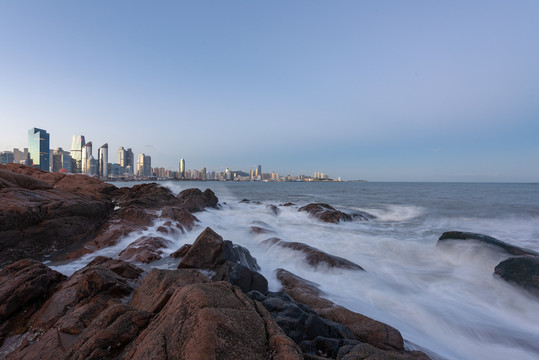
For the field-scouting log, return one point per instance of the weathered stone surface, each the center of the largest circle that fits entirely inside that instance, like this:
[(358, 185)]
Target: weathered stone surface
[(145, 249), (181, 216), (364, 328), (210, 250), (314, 256), (195, 200), (181, 251), (273, 209), (212, 321), (24, 286), (147, 196), (157, 287), (366, 351), (41, 213), (522, 271), (241, 276), (260, 230), (108, 334), (325, 213), (72, 308), (511, 249)]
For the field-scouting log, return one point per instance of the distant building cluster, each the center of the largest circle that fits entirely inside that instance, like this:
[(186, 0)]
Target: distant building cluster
[(80, 160)]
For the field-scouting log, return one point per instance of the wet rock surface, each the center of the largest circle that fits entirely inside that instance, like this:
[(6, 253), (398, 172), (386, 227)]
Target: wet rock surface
[(194, 200), (145, 249), (522, 271), (314, 256), (460, 235), (326, 213)]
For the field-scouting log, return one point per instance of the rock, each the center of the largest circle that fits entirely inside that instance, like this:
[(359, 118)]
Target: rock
[(364, 328), (212, 321), (145, 249), (45, 213), (366, 351), (314, 256), (181, 251), (522, 271), (194, 200), (273, 209), (257, 230), (325, 213), (147, 196), (287, 204), (511, 249), (158, 286), (107, 335), (180, 215), (210, 250), (242, 277), (72, 308), (24, 286)]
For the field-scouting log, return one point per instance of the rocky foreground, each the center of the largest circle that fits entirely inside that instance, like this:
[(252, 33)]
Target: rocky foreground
[(215, 305)]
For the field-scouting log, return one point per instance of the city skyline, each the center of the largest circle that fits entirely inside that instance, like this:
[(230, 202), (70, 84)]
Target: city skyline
[(425, 91)]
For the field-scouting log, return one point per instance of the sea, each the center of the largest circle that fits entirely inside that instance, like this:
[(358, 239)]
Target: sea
[(445, 299)]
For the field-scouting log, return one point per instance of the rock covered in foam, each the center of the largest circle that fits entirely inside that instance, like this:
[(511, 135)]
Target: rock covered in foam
[(522, 271), (326, 213), (489, 240)]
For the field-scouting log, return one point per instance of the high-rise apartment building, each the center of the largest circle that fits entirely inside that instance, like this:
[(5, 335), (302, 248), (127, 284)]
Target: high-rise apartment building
[(147, 165), (182, 169), (202, 175), (129, 162), (140, 164), (6, 157), (38, 148), (103, 161), (122, 158), (76, 152), (259, 170), (61, 160), (20, 157)]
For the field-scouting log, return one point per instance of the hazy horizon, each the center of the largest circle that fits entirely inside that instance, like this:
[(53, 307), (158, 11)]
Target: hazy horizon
[(410, 91)]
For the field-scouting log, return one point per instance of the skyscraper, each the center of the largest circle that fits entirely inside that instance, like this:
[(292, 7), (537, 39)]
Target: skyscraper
[(202, 175), (122, 158), (182, 169), (129, 162), (147, 165), (140, 165), (86, 155), (103, 160), (259, 170), (38, 148), (76, 152)]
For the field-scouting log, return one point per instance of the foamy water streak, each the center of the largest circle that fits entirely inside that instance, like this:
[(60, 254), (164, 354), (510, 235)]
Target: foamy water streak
[(443, 298)]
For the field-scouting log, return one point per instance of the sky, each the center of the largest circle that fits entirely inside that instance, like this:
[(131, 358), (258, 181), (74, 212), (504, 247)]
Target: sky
[(375, 90)]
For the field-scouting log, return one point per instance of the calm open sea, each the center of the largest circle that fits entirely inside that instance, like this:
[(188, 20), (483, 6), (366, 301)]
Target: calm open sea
[(444, 299)]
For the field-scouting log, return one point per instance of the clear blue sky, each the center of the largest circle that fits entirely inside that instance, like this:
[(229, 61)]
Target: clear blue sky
[(377, 90)]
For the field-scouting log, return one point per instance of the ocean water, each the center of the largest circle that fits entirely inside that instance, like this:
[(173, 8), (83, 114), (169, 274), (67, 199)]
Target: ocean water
[(443, 299)]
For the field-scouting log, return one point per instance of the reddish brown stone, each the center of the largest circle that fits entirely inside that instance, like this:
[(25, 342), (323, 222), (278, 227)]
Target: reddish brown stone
[(181, 251), (181, 216), (194, 200), (145, 249), (325, 213), (212, 321), (158, 286), (314, 256), (204, 252)]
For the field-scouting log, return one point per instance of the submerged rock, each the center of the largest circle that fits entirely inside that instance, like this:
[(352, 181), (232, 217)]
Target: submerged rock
[(195, 200), (511, 249), (522, 271), (326, 213), (314, 256)]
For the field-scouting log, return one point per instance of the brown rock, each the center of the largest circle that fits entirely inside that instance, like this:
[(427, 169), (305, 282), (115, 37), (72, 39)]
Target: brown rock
[(24, 286), (181, 251), (145, 249), (212, 321), (39, 215), (205, 251), (364, 328), (259, 230), (109, 333), (366, 351), (180, 215), (194, 200), (314, 256), (325, 213), (147, 196), (158, 286)]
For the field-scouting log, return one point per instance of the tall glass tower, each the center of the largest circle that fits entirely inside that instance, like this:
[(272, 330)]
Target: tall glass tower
[(38, 148), (76, 151), (182, 169), (103, 161)]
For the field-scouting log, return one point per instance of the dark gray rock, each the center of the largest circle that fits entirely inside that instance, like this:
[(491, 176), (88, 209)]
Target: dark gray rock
[(460, 235), (522, 271), (242, 277)]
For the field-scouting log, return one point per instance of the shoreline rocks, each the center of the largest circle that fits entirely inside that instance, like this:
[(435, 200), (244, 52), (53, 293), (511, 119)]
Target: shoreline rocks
[(461, 235)]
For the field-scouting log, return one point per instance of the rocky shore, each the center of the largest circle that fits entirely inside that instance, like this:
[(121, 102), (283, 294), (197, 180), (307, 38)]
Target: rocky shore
[(215, 305)]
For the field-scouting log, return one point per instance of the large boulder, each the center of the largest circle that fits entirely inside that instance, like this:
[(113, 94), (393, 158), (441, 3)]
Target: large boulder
[(145, 249), (210, 250), (195, 200), (24, 286), (42, 213), (460, 235), (212, 321), (147, 196), (181, 216), (75, 304), (325, 213), (314, 256), (364, 328), (522, 271)]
